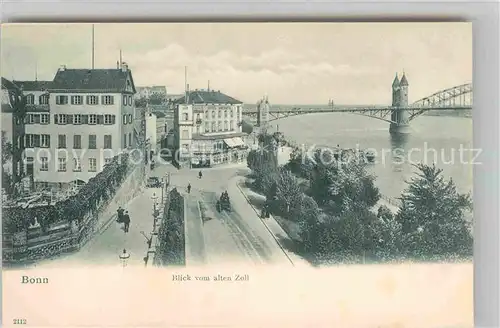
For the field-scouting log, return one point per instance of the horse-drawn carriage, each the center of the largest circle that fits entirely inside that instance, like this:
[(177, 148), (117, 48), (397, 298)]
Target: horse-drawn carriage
[(223, 204)]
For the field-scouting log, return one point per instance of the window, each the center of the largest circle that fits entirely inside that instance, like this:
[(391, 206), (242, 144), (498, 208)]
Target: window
[(29, 140), (207, 127), (220, 113), (205, 114), (129, 98), (61, 100), (124, 119), (130, 118), (231, 125), (213, 127), (225, 126), (107, 100), (62, 164), (77, 165), (92, 119), (130, 139), (92, 141), (231, 113), (76, 100), (31, 118), (77, 141), (92, 100), (45, 163), (44, 118), (77, 119), (107, 160), (107, 141), (109, 119), (45, 142), (185, 116), (30, 99), (43, 99), (62, 141), (125, 140), (219, 126), (225, 113), (125, 100), (213, 114), (185, 134), (61, 119), (92, 164)]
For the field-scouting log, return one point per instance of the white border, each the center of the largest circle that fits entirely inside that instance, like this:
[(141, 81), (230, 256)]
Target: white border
[(486, 82)]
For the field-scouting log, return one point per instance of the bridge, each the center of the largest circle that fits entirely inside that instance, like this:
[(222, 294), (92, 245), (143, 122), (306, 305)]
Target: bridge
[(399, 114)]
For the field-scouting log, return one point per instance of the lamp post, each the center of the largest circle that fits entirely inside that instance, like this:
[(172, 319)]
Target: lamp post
[(154, 198), (155, 212), (124, 256)]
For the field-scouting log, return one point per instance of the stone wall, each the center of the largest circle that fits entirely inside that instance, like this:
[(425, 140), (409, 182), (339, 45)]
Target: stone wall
[(30, 246)]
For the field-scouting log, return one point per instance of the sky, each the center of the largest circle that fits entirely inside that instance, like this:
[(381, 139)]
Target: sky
[(291, 63)]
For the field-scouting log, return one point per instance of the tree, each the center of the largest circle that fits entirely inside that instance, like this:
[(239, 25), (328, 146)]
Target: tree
[(287, 192), (432, 215), (342, 186)]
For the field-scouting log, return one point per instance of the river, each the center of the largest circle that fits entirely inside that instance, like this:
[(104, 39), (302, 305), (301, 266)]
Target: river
[(433, 139)]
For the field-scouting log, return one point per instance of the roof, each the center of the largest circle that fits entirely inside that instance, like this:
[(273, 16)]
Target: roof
[(33, 85), (208, 97), (100, 80), (11, 98), (404, 81), (395, 83), (9, 85)]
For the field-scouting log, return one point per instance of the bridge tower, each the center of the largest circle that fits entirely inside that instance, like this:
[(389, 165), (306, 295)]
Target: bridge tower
[(263, 112), (400, 115)]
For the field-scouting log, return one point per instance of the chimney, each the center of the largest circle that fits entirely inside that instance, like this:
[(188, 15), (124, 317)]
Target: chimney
[(187, 93), (124, 67), (62, 68)]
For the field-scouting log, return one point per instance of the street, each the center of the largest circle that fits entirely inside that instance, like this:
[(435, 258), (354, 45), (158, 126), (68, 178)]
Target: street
[(105, 248), (237, 237), (212, 238)]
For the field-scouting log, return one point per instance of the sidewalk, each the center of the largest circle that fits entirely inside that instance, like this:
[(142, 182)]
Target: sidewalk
[(105, 248), (280, 237)]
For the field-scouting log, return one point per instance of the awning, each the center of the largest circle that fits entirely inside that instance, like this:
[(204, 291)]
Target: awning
[(238, 142), (229, 143)]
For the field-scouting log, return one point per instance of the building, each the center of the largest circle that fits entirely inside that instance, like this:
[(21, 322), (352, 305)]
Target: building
[(207, 129), (88, 119), (151, 130), (13, 129), (146, 92)]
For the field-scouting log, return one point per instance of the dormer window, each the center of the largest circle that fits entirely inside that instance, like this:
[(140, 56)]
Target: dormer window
[(43, 99), (30, 99)]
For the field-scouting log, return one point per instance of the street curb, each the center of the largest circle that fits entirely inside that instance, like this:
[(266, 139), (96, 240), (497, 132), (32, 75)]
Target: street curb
[(265, 224)]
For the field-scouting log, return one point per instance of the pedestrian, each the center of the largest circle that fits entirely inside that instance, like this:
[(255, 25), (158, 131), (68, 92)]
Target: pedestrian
[(119, 211), (200, 175), (126, 221), (189, 188)]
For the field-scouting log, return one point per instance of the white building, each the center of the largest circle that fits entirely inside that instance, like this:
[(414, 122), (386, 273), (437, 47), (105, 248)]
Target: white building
[(88, 120), (151, 130), (207, 129), (148, 91)]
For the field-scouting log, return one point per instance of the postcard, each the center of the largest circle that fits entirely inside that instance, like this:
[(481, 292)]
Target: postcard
[(237, 174)]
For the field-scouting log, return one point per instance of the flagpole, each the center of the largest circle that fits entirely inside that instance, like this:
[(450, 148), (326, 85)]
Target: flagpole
[(92, 46)]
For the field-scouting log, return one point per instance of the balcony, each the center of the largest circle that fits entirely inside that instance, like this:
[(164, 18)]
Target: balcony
[(37, 108)]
